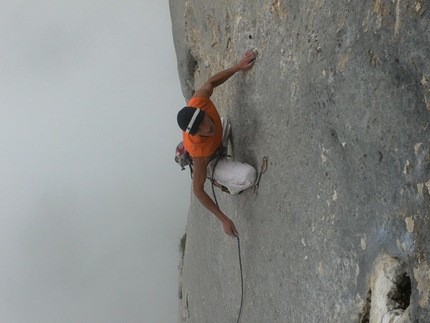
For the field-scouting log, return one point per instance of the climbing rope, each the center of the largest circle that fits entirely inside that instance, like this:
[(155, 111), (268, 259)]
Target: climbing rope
[(238, 240), (241, 280)]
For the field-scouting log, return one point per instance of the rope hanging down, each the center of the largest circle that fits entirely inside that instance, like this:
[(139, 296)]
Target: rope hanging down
[(238, 241)]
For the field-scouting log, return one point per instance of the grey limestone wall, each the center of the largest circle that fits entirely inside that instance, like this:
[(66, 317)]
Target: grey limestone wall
[(339, 101)]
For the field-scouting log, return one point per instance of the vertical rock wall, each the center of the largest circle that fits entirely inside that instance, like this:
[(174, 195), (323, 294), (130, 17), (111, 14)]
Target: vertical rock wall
[(339, 100)]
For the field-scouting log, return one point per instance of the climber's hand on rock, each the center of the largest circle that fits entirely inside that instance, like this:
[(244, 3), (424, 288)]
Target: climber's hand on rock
[(247, 61)]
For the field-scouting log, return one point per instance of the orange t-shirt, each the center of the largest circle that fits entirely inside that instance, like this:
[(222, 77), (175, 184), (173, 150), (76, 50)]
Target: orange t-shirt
[(199, 146)]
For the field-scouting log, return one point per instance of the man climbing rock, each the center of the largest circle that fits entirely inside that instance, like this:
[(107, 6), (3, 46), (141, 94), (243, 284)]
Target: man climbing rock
[(203, 135)]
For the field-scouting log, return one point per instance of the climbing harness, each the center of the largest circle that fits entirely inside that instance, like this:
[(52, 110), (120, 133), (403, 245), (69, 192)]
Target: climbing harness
[(262, 170), (238, 240)]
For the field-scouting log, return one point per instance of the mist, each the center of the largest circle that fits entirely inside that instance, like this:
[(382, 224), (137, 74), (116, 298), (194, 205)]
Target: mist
[(92, 205)]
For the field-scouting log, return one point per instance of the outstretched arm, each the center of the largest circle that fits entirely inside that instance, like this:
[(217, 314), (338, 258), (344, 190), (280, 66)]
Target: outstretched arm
[(245, 64), (199, 178)]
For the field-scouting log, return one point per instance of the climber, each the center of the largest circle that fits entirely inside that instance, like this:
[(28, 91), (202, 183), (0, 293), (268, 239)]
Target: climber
[(203, 136)]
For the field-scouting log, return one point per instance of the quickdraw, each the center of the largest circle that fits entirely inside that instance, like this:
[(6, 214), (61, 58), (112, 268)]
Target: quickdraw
[(262, 170)]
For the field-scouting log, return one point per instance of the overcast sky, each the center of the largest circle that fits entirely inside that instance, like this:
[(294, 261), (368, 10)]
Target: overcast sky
[(92, 205)]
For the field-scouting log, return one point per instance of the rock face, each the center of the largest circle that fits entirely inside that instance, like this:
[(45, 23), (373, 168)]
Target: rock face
[(339, 101)]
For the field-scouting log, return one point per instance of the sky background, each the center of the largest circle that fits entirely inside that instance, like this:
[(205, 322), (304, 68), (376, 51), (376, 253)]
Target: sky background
[(92, 204)]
